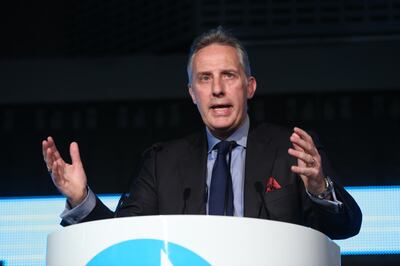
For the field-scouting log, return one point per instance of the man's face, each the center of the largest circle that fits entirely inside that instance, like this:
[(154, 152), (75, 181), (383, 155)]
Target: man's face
[(220, 88)]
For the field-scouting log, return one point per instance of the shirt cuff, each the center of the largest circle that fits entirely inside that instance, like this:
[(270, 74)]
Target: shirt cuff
[(333, 204), (77, 214)]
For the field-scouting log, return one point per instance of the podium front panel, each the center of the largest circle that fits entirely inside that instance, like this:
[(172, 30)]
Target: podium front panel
[(190, 240)]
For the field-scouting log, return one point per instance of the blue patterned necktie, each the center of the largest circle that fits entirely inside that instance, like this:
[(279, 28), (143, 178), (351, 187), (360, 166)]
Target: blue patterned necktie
[(221, 192)]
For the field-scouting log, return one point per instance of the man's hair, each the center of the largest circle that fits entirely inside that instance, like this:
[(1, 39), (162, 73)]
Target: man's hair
[(218, 36)]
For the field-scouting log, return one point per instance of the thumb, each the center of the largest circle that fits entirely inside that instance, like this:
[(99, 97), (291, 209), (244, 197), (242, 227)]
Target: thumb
[(74, 153)]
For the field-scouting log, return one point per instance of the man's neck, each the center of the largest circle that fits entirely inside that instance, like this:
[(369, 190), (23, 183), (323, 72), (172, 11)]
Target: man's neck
[(239, 135), (224, 134)]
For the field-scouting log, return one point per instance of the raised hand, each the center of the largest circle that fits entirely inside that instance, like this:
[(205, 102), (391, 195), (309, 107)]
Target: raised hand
[(70, 179), (309, 165)]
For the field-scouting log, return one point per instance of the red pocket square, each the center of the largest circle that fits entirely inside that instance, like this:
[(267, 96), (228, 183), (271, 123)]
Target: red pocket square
[(272, 184)]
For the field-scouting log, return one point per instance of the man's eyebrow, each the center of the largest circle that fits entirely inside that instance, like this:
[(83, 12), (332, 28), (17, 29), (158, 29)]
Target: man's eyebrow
[(229, 70), (204, 73)]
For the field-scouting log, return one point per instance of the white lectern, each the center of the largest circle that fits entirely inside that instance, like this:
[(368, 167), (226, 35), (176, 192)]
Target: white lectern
[(190, 240)]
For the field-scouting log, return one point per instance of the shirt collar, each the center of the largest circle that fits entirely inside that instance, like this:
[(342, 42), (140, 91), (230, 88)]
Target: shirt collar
[(240, 135)]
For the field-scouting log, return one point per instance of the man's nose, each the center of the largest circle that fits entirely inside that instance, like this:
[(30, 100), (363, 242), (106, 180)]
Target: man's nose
[(218, 87)]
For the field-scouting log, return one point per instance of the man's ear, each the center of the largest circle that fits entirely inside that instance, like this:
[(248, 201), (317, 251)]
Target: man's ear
[(191, 92), (251, 87)]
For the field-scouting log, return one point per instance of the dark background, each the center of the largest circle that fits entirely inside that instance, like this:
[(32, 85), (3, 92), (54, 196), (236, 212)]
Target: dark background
[(111, 75)]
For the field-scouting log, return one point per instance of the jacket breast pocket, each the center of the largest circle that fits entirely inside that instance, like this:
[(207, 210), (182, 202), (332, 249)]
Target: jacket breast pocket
[(284, 204)]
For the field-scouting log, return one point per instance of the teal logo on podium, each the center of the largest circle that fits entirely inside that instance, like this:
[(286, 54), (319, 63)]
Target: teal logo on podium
[(147, 252)]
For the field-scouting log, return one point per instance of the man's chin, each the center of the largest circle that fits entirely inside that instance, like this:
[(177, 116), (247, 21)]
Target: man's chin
[(222, 131)]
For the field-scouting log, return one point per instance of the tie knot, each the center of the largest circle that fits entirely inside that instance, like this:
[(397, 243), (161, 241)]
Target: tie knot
[(223, 146)]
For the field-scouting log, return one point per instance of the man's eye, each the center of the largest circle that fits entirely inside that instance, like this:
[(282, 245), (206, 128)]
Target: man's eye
[(204, 78), (229, 75)]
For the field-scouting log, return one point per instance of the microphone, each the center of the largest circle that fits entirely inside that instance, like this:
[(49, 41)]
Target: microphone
[(155, 148), (186, 195), (259, 188)]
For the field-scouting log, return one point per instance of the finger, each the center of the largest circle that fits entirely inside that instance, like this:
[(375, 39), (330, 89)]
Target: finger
[(305, 157), (74, 152), (303, 134), (297, 147), (305, 145), (53, 147), (55, 154), (306, 171), (52, 155), (48, 158), (45, 146), (59, 172), (50, 142), (44, 152), (54, 173)]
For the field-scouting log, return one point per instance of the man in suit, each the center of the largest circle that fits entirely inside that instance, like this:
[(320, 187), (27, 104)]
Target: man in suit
[(267, 172)]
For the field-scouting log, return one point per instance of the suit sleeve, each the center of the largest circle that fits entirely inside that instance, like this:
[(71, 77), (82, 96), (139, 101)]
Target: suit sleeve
[(336, 224), (142, 199), (90, 209)]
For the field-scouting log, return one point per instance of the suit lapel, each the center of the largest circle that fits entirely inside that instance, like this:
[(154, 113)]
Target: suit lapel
[(260, 156), (192, 173)]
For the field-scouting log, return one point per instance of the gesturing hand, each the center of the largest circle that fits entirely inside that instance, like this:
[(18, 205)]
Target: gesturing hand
[(309, 165), (70, 179)]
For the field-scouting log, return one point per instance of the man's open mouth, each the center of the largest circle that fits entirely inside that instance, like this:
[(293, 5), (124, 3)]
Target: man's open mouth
[(221, 106)]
